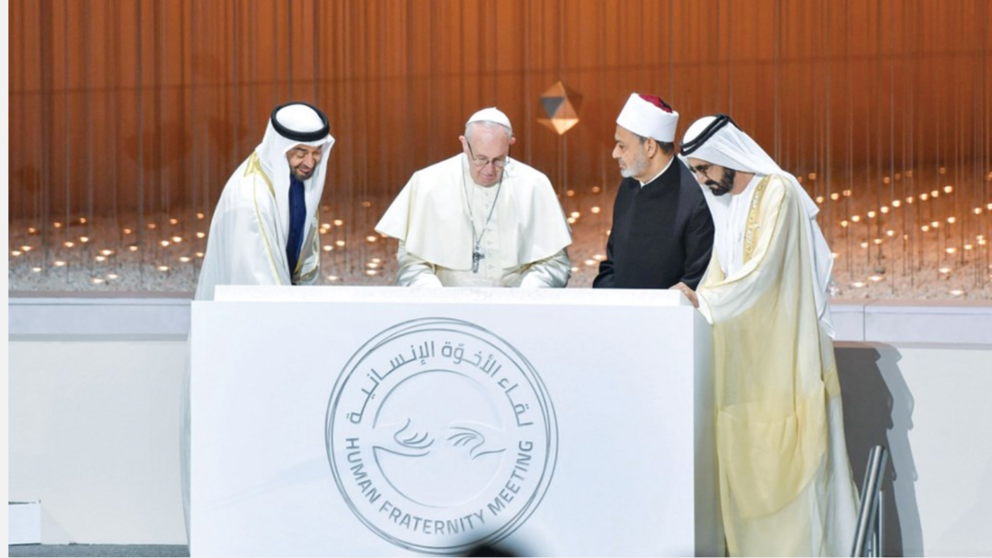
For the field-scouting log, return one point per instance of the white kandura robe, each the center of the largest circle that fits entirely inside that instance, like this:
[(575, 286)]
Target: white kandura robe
[(247, 245), (523, 243)]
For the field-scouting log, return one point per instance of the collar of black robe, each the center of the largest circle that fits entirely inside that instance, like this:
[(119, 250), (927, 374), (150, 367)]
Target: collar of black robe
[(664, 184)]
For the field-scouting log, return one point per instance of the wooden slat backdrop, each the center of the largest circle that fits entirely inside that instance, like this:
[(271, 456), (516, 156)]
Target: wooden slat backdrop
[(145, 105)]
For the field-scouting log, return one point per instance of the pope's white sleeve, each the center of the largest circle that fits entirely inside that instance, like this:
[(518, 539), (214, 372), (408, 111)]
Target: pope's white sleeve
[(413, 271), (551, 272)]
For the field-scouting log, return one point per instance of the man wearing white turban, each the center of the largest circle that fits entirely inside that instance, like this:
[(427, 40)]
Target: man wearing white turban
[(785, 480), (662, 232), (480, 218)]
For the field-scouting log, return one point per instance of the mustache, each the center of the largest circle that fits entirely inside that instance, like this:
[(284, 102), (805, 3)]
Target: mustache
[(721, 187)]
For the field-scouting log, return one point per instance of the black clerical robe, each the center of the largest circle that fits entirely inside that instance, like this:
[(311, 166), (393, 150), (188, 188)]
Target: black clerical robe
[(662, 233)]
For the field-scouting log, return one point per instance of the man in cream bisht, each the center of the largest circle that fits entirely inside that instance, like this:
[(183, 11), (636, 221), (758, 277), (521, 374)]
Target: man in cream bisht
[(264, 229), (480, 218), (785, 479)]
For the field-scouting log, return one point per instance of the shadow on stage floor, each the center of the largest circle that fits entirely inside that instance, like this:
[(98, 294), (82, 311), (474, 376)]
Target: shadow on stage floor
[(878, 410)]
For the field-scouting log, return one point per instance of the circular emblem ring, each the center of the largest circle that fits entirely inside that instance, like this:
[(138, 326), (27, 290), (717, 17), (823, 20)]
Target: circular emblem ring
[(441, 436)]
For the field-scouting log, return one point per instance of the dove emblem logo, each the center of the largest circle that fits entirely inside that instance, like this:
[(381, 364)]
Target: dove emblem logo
[(441, 436)]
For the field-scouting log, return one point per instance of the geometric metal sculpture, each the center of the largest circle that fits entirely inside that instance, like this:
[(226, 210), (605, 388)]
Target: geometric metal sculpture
[(561, 108)]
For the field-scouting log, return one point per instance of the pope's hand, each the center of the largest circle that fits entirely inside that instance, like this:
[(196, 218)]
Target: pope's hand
[(689, 293)]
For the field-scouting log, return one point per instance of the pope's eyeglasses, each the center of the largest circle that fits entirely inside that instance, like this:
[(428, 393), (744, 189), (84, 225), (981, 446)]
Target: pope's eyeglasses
[(483, 162)]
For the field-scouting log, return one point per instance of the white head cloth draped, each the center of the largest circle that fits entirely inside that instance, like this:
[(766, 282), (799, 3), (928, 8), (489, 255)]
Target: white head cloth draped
[(298, 123), (731, 148), (649, 117)]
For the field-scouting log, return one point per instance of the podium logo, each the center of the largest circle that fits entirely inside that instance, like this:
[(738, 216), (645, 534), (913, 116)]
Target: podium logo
[(441, 436)]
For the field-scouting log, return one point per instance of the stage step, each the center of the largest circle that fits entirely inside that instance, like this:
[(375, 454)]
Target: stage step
[(23, 522)]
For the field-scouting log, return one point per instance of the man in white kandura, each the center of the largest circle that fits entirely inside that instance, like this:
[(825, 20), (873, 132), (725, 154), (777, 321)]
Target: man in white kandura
[(480, 218), (785, 479), (264, 229)]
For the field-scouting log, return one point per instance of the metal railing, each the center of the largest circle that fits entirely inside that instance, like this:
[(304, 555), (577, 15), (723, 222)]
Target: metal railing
[(869, 536)]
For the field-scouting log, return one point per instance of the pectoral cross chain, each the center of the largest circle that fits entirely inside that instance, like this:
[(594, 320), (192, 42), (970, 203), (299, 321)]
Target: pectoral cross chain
[(477, 256)]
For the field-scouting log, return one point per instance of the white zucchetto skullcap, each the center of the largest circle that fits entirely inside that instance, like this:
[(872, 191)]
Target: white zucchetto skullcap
[(491, 114), (650, 117)]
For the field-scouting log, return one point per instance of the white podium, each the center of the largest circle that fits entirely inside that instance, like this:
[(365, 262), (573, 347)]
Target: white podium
[(383, 421)]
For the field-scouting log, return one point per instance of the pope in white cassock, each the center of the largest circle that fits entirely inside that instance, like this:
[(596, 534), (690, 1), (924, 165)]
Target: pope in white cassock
[(785, 479), (264, 229), (480, 218)]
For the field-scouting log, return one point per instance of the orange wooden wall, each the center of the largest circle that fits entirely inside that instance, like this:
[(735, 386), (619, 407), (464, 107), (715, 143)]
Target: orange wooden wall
[(148, 105)]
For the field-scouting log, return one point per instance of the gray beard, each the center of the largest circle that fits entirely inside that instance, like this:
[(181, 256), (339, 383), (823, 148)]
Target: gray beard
[(640, 165)]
